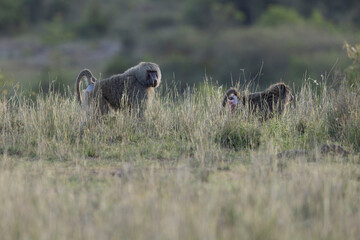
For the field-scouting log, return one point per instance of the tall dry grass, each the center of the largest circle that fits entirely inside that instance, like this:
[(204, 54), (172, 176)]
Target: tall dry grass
[(171, 176)]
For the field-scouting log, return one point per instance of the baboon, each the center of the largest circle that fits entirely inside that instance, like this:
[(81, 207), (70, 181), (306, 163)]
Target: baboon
[(272, 101), (133, 88)]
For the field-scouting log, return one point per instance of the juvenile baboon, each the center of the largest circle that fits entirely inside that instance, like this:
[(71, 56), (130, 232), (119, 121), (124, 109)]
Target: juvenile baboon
[(268, 103), (133, 88)]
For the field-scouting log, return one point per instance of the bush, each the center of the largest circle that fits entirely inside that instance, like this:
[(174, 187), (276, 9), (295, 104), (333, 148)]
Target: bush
[(239, 135), (318, 20), (277, 15)]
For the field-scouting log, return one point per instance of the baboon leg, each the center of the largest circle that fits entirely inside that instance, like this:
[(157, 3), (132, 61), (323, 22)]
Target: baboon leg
[(105, 109)]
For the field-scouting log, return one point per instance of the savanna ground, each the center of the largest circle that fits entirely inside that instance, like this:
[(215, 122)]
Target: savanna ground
[(188, 171)]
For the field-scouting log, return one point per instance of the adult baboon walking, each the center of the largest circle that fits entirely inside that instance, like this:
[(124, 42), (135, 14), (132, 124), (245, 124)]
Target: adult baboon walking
[(133, 88), (268, 103)]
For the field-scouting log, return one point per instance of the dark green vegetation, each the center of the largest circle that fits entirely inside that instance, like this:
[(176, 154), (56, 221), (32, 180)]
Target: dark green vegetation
[(227, 41), (92, 17)]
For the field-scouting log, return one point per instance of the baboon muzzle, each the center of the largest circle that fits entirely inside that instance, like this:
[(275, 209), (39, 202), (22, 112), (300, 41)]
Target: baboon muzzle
[(152, 79), (154, 83)]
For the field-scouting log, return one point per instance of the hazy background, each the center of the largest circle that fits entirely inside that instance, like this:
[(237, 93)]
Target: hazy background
[(50, 41)]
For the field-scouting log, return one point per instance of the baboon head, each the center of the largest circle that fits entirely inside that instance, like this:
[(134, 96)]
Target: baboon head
[(232, 97), (152, 78), (233, 101), (148, 74)]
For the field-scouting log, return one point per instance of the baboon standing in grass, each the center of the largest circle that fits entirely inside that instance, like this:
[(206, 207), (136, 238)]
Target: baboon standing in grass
[(134, 88), (272, 101)]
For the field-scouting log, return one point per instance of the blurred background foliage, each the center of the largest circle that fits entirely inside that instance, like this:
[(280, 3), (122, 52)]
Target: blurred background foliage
[(226, 40)]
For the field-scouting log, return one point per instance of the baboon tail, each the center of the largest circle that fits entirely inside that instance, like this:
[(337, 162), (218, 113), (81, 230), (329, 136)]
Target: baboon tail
[(89, 79)]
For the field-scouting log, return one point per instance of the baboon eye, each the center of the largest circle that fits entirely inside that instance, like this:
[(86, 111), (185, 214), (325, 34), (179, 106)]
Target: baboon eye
[(152, 75), (231, 98)]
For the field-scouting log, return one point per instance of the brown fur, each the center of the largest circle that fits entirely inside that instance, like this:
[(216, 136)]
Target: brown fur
[(272, 101), (133, 88)]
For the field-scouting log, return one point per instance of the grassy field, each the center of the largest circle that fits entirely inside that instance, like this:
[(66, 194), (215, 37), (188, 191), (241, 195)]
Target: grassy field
[(188, 171)]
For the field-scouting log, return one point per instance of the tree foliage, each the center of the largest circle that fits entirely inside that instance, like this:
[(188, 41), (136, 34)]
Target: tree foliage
[(11, 14), (16, 14), (277, 15)]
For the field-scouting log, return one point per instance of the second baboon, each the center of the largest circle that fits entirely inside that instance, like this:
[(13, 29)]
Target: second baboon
[(134, 88), (272, 101)]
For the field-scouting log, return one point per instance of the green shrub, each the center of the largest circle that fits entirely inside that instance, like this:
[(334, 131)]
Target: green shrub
[(318, 20), (239, 135), (277, 15)]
